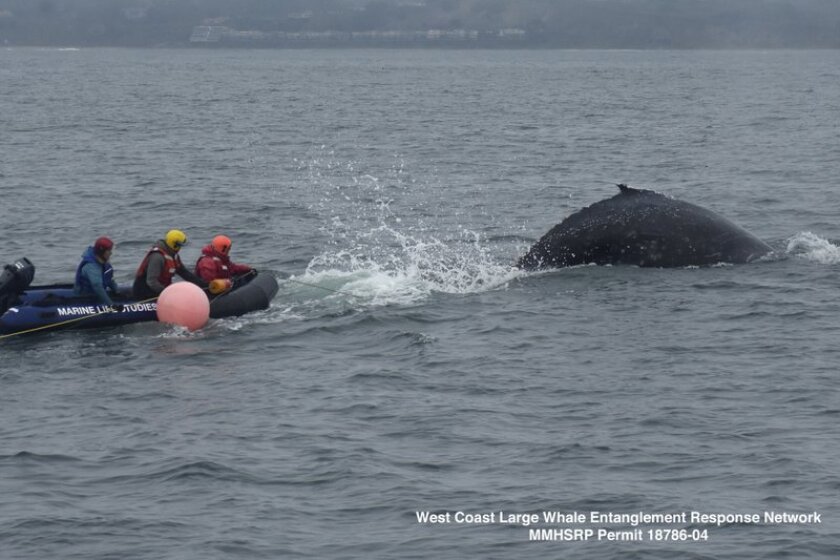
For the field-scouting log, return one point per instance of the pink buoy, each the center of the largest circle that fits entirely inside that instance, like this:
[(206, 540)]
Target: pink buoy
[(183, 304)]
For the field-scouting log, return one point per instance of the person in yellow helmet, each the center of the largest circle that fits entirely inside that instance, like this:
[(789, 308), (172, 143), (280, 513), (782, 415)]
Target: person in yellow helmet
[(161, 263), (214, 265)]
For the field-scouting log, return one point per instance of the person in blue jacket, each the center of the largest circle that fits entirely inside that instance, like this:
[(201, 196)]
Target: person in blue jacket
[(95, 274)]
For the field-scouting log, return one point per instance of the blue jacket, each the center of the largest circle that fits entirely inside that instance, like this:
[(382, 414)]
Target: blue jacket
[(92, 277)]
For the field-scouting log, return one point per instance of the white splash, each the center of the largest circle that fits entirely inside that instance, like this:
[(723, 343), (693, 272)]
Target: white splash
[(814, 248), (391, 267), (391, 244)]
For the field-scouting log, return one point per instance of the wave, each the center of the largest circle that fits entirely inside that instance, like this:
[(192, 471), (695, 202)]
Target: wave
[(30, 457), (388, 266), (812, 247)]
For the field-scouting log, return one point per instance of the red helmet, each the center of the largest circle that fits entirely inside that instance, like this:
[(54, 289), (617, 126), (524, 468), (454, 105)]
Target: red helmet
[(221, 244), (102, 244)]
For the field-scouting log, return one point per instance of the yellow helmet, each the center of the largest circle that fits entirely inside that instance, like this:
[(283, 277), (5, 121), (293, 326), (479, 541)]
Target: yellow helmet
[(175, 239)]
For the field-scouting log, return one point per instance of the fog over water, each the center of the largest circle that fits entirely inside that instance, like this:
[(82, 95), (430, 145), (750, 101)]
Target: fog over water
[(425, 23)]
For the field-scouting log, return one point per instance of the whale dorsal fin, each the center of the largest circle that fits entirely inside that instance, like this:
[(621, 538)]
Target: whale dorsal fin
[(628, 190)]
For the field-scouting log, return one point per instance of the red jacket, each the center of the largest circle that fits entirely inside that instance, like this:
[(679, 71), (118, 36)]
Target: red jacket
[(212, 264)]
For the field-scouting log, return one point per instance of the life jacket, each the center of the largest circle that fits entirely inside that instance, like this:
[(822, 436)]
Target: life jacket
[(171, 265), (221, 264), (82, 283)]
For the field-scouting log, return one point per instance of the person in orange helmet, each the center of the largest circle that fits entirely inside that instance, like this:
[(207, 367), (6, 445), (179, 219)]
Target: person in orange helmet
[(215, 267)]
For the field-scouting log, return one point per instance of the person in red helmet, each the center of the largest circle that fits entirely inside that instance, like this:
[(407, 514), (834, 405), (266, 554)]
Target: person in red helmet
[(95, 275), (215, 267)]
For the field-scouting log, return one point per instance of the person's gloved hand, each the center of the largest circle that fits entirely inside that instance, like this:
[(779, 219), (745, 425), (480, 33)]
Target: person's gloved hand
[(220, 286), (117, 308)]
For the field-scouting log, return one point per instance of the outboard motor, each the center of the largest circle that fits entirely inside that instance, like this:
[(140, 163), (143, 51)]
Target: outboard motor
[(14, 279)]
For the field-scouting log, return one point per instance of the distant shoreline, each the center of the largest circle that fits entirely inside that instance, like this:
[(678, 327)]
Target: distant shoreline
[(410, 47), (435, 24)]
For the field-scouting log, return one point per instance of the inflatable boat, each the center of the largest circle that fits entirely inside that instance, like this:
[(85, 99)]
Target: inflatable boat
[(25, 308)]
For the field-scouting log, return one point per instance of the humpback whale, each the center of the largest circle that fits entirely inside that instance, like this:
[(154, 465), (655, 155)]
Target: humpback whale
[(643, 228)]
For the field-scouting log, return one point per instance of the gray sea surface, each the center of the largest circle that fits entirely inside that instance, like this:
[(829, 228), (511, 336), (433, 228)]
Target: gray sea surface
[(405, 366)]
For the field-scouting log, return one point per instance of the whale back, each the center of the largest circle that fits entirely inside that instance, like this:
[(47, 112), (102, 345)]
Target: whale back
[(643, 228)]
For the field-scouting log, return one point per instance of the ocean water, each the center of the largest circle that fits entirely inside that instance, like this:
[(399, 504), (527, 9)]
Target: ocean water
[(405, 366)]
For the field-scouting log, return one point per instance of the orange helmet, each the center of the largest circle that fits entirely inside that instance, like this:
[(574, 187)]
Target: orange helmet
[(221, 244)]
